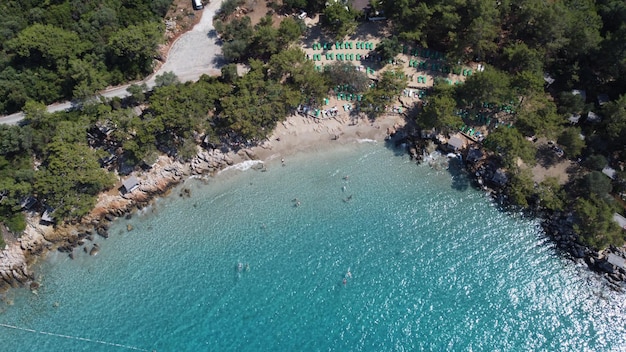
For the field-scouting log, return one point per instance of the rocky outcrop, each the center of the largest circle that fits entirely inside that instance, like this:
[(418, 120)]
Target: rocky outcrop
[(209, 162), (38, 239), (159, 179), (13, 268)]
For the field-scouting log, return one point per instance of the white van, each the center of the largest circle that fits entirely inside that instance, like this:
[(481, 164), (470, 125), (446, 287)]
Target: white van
[(197, 4)]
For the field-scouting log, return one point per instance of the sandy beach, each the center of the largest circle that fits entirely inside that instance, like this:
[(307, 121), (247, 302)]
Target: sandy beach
[(300, 134)]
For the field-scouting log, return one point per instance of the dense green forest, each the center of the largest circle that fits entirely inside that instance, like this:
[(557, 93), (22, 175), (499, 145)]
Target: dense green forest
[(574, 44), (68, 49)]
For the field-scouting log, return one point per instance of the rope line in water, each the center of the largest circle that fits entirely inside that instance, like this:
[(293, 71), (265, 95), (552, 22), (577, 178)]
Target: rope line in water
[(75, 338)]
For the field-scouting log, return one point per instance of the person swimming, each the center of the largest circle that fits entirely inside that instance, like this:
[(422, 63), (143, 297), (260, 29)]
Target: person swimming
[(349, 274)]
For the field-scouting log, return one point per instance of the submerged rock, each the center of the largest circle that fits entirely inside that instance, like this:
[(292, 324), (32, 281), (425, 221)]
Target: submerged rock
[(94, 251), (34, 286), (102, 231)]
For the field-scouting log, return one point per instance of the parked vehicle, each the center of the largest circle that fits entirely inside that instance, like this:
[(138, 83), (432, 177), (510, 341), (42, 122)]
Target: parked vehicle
[(197, 4)]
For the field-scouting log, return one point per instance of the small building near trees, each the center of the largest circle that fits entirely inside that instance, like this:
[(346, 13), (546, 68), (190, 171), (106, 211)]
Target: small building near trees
[(129, 185)]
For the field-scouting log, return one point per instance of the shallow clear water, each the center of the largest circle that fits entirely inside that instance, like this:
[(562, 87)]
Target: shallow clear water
[(434, 266)]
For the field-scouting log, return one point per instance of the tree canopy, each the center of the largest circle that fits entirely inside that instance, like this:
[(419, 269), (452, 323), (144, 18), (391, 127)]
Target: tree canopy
[(54, 50), (339, 19), (70, 179)]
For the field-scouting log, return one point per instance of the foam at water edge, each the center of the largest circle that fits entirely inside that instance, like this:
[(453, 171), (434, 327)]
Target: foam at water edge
[(243, 166), (366, 140)]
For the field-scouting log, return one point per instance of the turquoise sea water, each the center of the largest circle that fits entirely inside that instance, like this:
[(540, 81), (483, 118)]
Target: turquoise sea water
[(434, 266)]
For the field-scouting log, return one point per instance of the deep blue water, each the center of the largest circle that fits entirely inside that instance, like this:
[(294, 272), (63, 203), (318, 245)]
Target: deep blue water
[(434, 266)]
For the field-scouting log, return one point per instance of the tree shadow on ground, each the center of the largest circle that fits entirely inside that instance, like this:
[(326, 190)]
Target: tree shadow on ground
[(364, 32), (546, 157)]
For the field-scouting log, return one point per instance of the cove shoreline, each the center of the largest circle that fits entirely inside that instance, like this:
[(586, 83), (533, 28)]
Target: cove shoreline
[(558, 226), (294, 135)]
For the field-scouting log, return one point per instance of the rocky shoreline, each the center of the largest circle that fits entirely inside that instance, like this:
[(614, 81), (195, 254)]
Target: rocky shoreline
[(38, 239), (296, 134), (558, 226)]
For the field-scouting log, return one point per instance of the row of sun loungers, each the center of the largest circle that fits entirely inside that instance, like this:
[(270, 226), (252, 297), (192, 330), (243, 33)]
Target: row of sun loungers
[(343, 45)]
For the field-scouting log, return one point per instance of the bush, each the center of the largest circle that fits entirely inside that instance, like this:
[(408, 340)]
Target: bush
[(228, 7), (595, 223), (16, 223), (597, 183), (596, 162)]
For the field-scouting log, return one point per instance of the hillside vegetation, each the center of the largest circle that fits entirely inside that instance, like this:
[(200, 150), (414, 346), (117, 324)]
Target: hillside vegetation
[(68, 49)]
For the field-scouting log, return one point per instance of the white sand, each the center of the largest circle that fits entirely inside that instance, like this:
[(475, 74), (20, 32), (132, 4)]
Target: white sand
[(299, 133)]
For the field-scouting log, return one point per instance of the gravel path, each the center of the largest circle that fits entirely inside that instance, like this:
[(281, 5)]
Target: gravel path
[(196, 52), (193, 54)]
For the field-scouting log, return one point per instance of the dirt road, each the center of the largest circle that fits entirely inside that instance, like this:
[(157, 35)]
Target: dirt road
[(193, 54)]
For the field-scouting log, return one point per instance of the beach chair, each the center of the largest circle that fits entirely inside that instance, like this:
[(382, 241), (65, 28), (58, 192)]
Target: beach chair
[(358, 57), (329, 56), (348, 45)]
